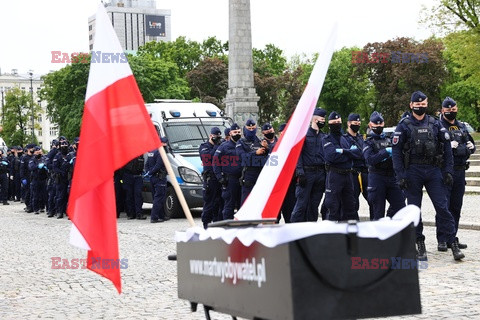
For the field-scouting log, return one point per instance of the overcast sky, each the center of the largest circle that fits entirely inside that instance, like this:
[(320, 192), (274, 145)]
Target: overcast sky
[(31, 29)]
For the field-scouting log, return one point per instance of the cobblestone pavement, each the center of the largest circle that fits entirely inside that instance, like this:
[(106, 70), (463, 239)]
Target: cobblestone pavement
[(30, 288)]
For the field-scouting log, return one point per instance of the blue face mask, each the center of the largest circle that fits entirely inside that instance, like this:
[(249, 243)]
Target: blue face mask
[(249, 135)]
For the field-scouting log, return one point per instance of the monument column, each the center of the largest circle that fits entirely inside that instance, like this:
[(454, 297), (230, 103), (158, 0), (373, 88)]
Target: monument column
[(241, 99)]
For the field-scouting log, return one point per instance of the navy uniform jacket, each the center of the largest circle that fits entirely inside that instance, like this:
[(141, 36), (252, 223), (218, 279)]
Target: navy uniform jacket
[(50, 156), (312, 151), (154, 164), (61, 165), (338, 160), (246, 151), (207, 151), (226, 160), (24, 172), (376, 156), (36, 173), (402, 135), (357, 157), (458, 132)]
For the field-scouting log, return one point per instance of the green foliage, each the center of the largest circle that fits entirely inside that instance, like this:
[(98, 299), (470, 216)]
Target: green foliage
[(17, 117), (209, 81), (452, 15), (344, 89), (395, 82)]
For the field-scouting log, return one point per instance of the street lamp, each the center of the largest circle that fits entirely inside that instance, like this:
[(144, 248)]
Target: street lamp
[(30, 72), (3, 107)]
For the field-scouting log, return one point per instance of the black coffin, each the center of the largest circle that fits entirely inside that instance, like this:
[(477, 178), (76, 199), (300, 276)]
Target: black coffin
[(326, 276)]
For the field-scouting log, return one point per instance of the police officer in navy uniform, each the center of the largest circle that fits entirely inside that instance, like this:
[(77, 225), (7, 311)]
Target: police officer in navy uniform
[(133, 184), (11, 188), (228, 169), (359, 170), (289, 201), (4, 173), (269, 135), (382, 184), (339, 197), (211, 187), (422, 156), (61, 166), (310, 172), (253, 154), (25, 176), (51, 185), (39, 176), (155, 169), (15, 173), (462, 147)]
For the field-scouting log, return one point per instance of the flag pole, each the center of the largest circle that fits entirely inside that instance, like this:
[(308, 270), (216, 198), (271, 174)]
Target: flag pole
[(174, 181)]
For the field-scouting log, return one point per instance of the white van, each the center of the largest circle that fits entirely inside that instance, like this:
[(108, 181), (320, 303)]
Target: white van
[(187, 125)]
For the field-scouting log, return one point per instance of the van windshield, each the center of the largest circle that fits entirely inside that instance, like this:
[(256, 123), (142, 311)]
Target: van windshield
[(187, 136)]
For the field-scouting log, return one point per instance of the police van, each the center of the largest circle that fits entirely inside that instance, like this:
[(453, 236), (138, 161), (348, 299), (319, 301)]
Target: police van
[(186, 125)]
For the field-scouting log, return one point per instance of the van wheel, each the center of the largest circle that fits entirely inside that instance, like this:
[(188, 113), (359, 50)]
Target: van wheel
[(172, 206)]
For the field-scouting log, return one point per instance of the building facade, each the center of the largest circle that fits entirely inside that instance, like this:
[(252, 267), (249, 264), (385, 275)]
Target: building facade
[(135, 22), (45, 131)]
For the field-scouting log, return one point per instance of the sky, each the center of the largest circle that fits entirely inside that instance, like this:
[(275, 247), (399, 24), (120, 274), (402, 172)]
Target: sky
[(31, 29)]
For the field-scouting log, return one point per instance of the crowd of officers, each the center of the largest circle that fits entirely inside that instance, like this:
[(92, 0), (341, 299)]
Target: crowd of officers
[(424, 151), (41, 181)]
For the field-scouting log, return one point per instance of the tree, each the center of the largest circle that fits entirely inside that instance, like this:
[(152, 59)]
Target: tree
[(17, 117), (453, 15), (209, 81), (395, 81), (462, 55), (344, 89)]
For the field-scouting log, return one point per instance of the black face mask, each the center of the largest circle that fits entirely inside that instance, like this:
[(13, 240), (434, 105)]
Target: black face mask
[(38, 156), (269, 135), (355, 127), (64, 150), (335, 127), (450, 115), (320, 124), (236, 137), (419, 111), (217, 140), (377, 130)]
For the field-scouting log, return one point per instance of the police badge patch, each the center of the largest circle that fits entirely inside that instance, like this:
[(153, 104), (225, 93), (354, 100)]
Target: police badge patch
[(395, 140)]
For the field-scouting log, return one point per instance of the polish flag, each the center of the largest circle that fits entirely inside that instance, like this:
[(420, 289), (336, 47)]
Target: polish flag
[(275, 176), (115, 129)]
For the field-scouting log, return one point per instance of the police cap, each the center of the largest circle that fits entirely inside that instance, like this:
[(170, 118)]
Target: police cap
[(376, 118), (448, 103), (334, 115), (353, 117), (282, 127), (319, 112), (215, 131), (266, 126), (250, 122), (418, 96), (235, 127)]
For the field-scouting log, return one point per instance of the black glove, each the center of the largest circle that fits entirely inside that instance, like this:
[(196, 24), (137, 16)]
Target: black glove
[(403, 184), (301, 180), (448, 179)]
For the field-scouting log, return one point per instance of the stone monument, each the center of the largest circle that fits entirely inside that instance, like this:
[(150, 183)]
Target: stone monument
[(241, 99)]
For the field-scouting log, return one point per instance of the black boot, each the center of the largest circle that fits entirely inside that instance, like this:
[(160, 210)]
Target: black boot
[(60, 216), (141, 217), (457, 254), (51, 214), (421, 250), (460, 245), (442, 246), (5, 203)]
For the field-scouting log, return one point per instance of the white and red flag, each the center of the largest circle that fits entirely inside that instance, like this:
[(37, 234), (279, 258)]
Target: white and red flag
[(276, 176), (115, 129)]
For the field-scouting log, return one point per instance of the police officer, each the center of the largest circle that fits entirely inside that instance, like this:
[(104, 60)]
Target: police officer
[(289, 201), (422, 156), (269, 135), (339, 198), (155, 169), (15, 173), (133, 184), (310, 172), (227, 134), (25, 176), (4, 173), (51, 185), (253, 154), (61, 166), (11, 187), (38, 184), (227, 169), (382, 184), (211, 188), (359, 170), (462, 147)]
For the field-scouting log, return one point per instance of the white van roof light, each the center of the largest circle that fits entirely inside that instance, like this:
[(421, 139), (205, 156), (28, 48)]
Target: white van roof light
[(171, 101)]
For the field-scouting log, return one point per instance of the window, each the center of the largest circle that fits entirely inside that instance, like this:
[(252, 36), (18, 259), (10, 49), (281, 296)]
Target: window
[(39, 118), (39, 132), (53, 131), (90, 27)]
